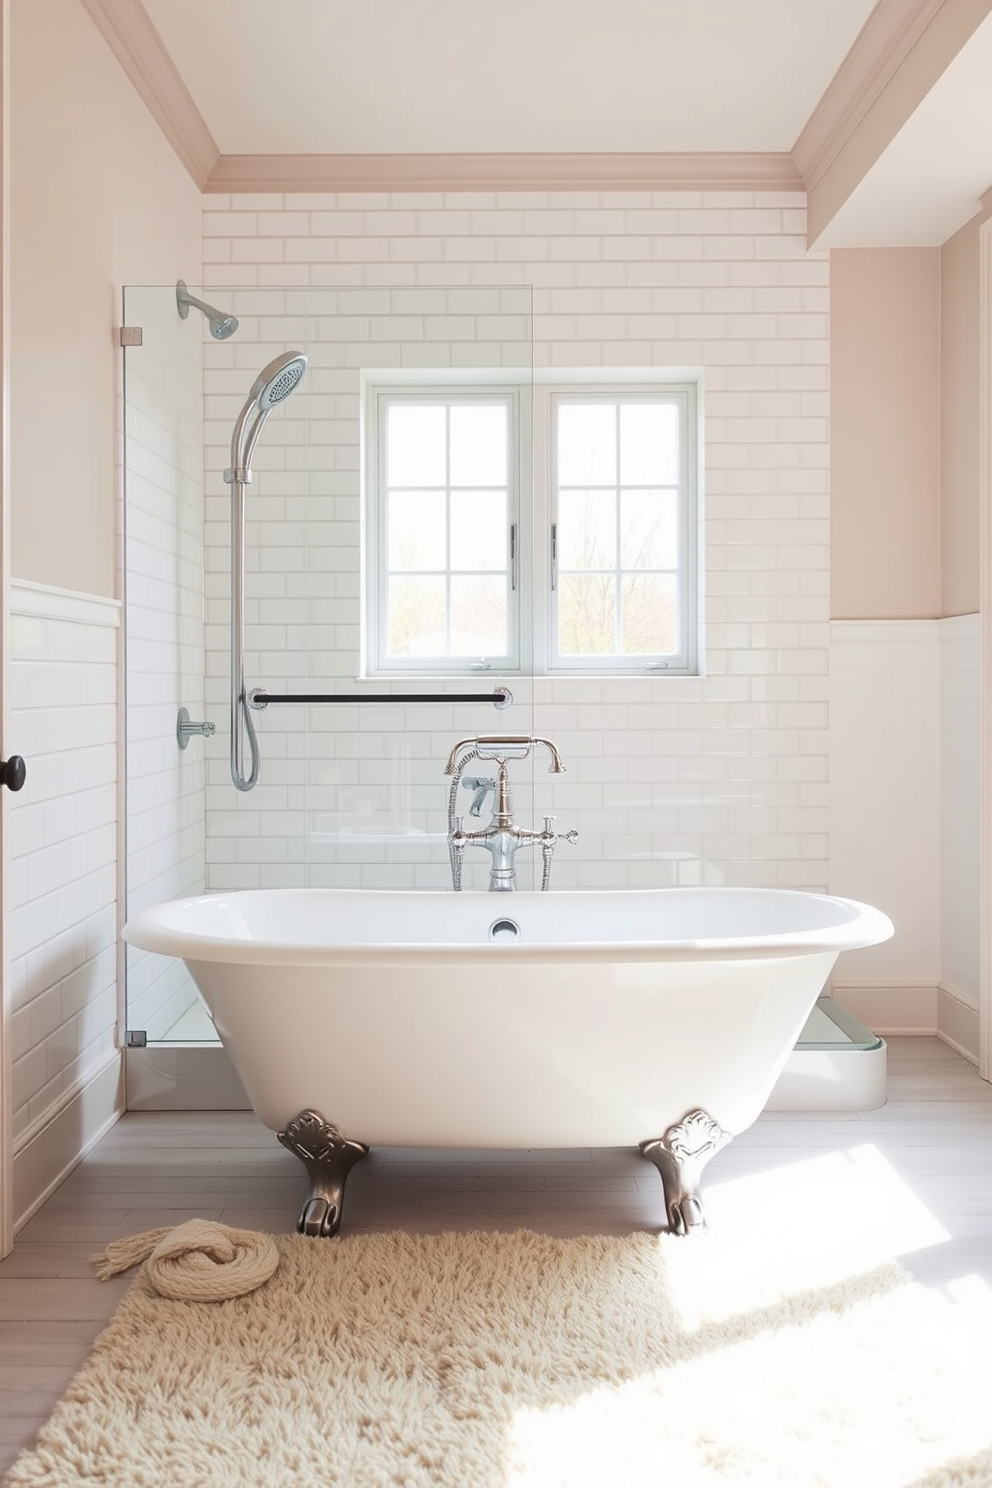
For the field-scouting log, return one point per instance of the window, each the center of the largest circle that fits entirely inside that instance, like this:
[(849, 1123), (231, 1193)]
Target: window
[(443, 526), (622, 534), (587, 565)]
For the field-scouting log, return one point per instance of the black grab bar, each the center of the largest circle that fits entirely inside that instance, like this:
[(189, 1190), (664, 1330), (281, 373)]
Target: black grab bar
[(258, 698)]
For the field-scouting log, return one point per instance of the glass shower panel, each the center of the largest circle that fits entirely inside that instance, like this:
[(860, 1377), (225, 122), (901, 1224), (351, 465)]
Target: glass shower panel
[(163, 629)]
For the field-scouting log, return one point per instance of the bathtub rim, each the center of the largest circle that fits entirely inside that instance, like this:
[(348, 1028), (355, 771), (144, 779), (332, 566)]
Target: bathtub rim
[(151, 930)]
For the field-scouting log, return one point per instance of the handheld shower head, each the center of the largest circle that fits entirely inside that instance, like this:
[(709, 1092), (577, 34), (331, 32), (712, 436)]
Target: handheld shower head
[(273, 385), (276, 381), (221, 325)]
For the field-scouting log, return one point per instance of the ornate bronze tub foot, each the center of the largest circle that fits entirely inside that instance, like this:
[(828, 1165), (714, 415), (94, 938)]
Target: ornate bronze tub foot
[(329, 1158), (680, 1157)]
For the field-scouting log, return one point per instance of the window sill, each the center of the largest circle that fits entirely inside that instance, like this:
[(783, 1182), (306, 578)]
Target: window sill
[(610, 686)]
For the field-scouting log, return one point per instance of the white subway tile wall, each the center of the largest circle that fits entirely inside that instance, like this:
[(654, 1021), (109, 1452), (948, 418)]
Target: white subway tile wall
[(163, 455), (62, 856), (723, 779)]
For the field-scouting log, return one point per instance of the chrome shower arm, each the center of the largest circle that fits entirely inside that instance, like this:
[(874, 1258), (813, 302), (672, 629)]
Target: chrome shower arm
[(221, 325)]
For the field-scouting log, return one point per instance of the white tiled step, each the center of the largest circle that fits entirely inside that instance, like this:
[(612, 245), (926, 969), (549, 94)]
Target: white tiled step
[(837, 1065)]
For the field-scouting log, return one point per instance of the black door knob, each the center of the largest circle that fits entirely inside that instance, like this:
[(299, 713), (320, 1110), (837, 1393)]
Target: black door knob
[(13, 772)]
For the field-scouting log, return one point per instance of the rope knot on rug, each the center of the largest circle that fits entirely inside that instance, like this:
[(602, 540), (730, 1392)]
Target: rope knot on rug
[(199, 1261)]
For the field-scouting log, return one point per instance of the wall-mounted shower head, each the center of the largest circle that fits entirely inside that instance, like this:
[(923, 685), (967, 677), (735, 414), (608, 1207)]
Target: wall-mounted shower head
[(221, 325)]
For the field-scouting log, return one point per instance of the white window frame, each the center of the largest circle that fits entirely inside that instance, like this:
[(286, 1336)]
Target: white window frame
[(378, 662), (682, 661), (531, 495)]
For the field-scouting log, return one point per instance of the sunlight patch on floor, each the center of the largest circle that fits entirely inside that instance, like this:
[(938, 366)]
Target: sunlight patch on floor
[(879, 1393), (808, 1224)]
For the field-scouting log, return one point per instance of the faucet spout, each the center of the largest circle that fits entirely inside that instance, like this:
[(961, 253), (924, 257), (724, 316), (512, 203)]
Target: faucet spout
[(556, 767)]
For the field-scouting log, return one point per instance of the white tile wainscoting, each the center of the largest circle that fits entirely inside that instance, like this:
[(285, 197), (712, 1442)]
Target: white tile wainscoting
[(62, 883), (904, 812), (960, 804)]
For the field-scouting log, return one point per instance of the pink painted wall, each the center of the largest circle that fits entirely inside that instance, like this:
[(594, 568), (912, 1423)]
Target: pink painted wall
[(959, 421), (98, 200), (885, 512)]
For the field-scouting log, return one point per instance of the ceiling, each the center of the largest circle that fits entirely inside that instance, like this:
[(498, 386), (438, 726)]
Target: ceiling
[(882, 112), (439, 75)]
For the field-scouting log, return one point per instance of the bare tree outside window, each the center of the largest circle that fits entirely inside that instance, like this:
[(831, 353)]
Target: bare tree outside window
[(617, 527)]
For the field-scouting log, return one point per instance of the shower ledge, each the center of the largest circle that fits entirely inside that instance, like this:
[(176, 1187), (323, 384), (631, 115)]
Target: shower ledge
[(836, 1065)]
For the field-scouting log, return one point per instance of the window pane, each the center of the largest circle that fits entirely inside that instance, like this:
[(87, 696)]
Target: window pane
[(587, 444), (415, 447), (649, 444), (648, 529), (478, 529), (587, 532), (478, 616), (416, 529), (587, 615), (648, 625), (478, 445), (417, 617)]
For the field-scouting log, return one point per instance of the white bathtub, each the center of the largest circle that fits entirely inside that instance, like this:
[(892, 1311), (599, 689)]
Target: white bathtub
[(527, 1020)]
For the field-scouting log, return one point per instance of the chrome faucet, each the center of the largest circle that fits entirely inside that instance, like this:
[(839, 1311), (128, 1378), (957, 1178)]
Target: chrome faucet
[(502, 838)]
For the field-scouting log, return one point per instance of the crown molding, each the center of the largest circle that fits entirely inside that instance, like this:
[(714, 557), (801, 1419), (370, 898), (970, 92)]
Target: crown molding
[(535, 171), (127, 30), (903, 49), (883, 44), (132, 38)]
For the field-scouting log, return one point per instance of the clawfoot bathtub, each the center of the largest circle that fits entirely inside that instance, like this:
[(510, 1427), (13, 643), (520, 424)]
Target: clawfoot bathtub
[(656, 1018)]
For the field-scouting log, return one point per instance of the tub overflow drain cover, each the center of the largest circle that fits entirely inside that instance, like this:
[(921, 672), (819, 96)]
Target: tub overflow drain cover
[(504, 930)]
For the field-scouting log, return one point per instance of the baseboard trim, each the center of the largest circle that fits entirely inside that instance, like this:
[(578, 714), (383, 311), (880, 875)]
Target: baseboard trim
[(891, 1008), (958, 1021), (951, 1043), (50, 1151)]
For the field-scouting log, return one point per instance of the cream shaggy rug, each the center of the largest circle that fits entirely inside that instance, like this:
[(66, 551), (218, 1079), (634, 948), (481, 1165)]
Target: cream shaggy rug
[(522, 1361)]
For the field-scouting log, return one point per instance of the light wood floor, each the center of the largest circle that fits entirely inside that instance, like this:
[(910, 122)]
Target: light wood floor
[(912, 1180)]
